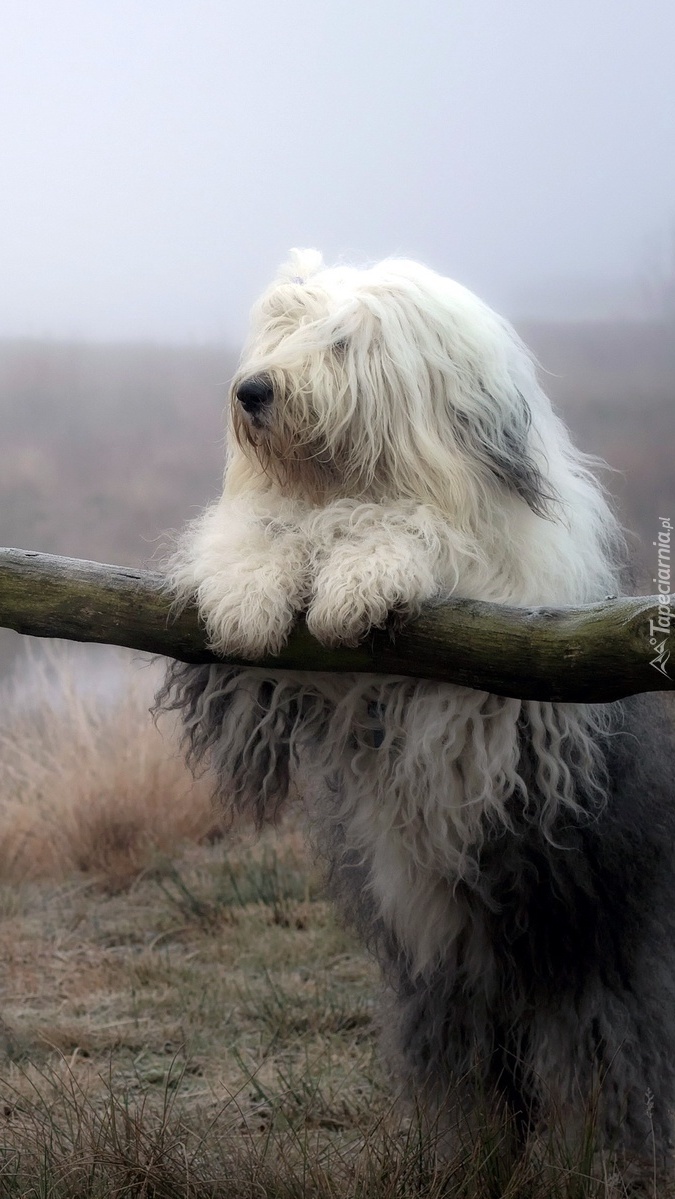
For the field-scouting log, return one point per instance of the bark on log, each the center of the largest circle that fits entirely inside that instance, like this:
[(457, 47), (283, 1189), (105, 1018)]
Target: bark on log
[(596, 653)]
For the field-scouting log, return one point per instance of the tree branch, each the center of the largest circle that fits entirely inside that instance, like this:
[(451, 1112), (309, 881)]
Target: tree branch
[(596, 653)]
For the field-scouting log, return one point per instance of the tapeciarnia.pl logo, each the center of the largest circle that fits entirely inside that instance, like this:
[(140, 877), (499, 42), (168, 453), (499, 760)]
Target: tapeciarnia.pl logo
[(659, 630)]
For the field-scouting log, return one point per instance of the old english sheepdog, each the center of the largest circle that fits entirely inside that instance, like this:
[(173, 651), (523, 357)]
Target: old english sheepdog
[(510, 862)]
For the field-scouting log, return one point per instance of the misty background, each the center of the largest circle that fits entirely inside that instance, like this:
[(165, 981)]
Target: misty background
[(159, 157)]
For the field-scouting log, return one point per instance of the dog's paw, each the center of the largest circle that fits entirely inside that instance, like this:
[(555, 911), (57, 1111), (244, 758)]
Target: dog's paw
[(344, 613), (251, 621), (361, 588)]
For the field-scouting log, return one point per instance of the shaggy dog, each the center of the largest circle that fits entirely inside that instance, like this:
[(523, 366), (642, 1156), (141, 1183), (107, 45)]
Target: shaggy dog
[(510, 862)]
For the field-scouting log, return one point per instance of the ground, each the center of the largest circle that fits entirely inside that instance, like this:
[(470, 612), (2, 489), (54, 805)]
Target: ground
[(217, 992), (208, 1031), (182, 1014)]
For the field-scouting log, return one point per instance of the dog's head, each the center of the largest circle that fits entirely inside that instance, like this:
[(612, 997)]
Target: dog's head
[(387, 382)]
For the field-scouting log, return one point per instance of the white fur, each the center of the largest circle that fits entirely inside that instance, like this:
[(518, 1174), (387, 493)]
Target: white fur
[(409, 455)]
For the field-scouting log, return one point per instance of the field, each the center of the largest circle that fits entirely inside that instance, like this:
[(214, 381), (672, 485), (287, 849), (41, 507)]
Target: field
[(182, 1015)]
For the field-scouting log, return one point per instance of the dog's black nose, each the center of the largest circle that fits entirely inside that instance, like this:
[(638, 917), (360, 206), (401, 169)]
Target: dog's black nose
[(254, 394)]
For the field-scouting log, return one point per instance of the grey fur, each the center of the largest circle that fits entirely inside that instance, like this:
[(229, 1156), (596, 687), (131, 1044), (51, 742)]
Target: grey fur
[(580, 999), (506, 453), (573, 923)]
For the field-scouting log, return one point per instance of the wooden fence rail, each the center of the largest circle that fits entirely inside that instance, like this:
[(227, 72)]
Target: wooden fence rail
[(596, 653)]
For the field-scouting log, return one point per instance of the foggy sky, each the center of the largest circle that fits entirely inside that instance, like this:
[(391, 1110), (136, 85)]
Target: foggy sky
[(159, 157)]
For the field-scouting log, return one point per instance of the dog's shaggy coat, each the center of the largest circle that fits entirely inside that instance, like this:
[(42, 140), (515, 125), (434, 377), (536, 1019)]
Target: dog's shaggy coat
[(511, 862)]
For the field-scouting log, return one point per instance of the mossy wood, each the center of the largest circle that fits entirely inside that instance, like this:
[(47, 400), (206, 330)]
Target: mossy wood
[(596, 653)]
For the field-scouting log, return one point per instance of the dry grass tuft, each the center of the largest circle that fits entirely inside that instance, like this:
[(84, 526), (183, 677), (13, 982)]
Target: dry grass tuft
[(65, 1144), (89, 784)]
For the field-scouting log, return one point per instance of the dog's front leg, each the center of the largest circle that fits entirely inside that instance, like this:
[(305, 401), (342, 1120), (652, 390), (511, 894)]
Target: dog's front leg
[(250, 574), (367, 576)]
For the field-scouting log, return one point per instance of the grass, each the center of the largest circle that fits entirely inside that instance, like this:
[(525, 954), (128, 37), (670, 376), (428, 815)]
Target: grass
[(89, 784), (179, 1039), (183, 1016)]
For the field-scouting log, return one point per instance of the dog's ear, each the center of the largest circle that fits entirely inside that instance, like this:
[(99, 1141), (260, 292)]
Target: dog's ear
[(300, 267), (503, 447)]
